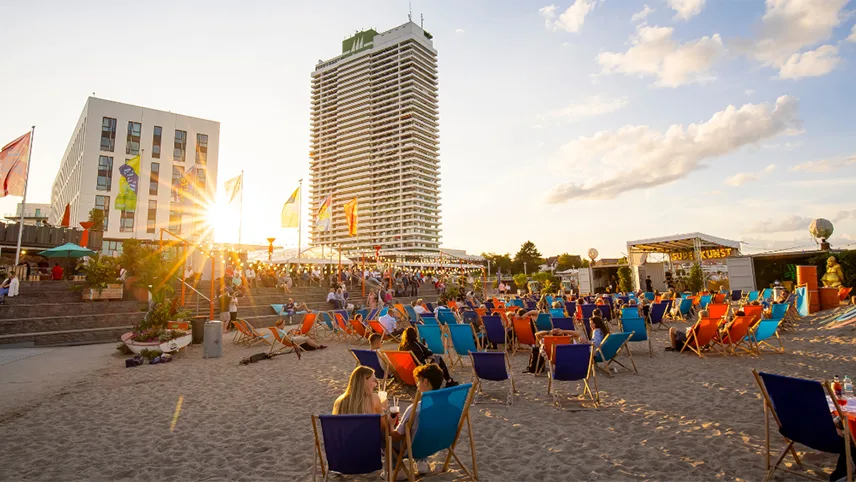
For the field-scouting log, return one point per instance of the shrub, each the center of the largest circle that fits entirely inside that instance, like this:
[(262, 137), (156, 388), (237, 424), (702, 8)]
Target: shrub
[(520, 280), (625, 283)]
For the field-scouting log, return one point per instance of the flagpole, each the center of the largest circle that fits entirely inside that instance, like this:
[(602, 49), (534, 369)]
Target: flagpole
[(24, 199), (299, 218), (241, 213)]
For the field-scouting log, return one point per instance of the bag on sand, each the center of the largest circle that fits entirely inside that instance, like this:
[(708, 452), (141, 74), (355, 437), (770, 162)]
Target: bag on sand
[(255, 358)]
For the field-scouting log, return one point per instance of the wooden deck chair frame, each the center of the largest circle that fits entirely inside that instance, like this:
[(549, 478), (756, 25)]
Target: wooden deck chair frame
[(692, 340), (849, 440), (408, 434), (756, 345), (648, 335), (335, 332), (744, 344), (454, 356), (358, 337), (387, 381), (344, 328), (607, 363), (319, 458), (378, 328), (477, 385), (241, 336), (255, 335), (592, 374), (283, 339)]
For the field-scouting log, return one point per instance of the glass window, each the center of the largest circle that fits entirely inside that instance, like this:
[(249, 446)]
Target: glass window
[(108, 133), (177, 173), (156, 142), (154, 179), (152, 217), (175, 221), (103, 203), (132, 144), (180, 148), (201, 179), (105, 173), (126, 222), (201, 148)]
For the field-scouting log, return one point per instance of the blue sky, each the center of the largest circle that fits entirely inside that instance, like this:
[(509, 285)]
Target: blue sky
[(552, 116)]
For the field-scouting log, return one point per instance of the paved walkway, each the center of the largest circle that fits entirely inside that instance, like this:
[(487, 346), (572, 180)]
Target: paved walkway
[(28, 375)]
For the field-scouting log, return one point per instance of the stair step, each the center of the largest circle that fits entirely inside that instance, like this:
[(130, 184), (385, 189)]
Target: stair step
[(73, 322)]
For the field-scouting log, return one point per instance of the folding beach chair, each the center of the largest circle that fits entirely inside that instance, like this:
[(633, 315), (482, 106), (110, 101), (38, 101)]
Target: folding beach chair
[(344, 313), (754, 310), (736, 295), (630, 312), (768, 294), (763, 331), (573, 363), (686, 307), (326, 320), (564, 323), (640, 329), (737, 335), (587, 311), (606, 311), (543, 322), (345, 328), (432, 335), (491, 366), (701, 335), (256, 336), (522, 333), (571, 308), (308, 324), (658, 312), (548, 347), (719, 298), (364, 313), (430, 307), (649, 295), (803, 415), (463, 340), (778, 311), (242, 336), (753, 296), (378, 328), (704, 301), (371, 359), (353, 445), (359, 329), (495, 331), (403, 362), (531, 305), (285, 341), (428, 319), (448, 411), (412, 315), (371, 315), (608, 351), (717, 311), (446, 317), (557, 312)]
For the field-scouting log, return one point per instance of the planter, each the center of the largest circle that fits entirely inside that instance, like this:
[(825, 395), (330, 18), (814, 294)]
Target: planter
[(165, 347), (136, 293), (111, 292)]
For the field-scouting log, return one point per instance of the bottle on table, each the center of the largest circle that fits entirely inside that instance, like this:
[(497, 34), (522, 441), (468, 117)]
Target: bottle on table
[(848, 387), (836, 387)]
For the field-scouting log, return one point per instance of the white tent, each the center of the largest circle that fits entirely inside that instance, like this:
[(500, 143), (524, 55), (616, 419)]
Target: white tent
[(311, 255)]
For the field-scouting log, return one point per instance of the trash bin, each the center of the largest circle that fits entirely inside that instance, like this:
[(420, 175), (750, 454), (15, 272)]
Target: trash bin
[(197, 325), (212, 346)]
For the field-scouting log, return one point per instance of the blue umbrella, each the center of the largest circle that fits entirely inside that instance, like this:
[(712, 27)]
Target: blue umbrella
[(67, 250)]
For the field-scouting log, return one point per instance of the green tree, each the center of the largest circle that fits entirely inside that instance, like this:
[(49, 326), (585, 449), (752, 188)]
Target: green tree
[(96, 217), (528, 255), (585, 263), (498, 262), (695, 280), (568, 261), (625, 283), (520, 280), (547, 281)]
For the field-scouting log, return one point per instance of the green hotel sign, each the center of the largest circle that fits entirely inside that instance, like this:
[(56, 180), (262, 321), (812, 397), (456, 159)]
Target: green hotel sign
[(362, 40)]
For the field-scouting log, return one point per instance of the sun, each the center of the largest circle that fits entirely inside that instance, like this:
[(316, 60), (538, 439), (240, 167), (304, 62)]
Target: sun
[(222, 219)]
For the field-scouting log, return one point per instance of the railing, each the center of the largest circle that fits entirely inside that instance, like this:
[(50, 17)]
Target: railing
[(198, 294)]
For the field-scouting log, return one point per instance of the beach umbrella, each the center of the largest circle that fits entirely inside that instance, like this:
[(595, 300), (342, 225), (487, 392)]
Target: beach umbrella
[(67, 250)]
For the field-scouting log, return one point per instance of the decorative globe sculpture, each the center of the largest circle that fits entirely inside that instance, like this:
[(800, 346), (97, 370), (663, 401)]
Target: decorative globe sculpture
[(592, 253), (821, 229)]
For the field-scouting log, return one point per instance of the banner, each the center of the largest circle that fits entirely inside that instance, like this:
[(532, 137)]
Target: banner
[(324, 218), (351, 216), (234, 186), (14, 159), (126, 200), (181, 190), (290, 214)]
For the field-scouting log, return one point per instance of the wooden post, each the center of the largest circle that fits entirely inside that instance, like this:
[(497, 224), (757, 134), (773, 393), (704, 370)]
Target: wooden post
[(211, 301), (184, 281)]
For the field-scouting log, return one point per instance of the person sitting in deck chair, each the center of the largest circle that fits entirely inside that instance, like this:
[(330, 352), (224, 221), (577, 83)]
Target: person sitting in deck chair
[(393, 322), (428, 377), (417, 307), (410, 342), (536, 357), (360, 397), (305, 342), (599, 328), (678, 338)]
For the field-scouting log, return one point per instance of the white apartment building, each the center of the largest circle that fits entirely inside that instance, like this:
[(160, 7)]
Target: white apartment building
[(34, 213), (375, 137), (110, 133)]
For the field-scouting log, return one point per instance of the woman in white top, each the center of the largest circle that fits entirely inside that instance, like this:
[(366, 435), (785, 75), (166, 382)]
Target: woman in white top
[(14, 285)]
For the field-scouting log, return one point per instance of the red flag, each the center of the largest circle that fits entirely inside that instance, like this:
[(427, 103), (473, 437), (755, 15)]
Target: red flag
[(14, 159), (66, 217)]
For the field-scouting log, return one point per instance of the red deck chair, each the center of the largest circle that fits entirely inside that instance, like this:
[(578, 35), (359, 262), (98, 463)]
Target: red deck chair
[(719, 298), (380, 330), (523, 333), (756, 311), (701, 335), (717, 311), (736, 336), (359, 329), (403, 362), (548, 346)]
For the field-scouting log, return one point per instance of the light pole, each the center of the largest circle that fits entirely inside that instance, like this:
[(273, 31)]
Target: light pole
[(524, 269)]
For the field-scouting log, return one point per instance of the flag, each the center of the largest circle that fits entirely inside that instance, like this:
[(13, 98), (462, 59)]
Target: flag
[(233, 187), (290, 214), (14, 159), (66, 217), (126, 200), (182, 186), (324, 218), (351, 216)]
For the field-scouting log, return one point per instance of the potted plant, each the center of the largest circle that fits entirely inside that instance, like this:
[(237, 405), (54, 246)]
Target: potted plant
[(145, 266), (153, 332), (101, 279)]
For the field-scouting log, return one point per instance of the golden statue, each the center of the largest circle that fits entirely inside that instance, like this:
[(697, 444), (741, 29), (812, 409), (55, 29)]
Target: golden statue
[(834, 277)]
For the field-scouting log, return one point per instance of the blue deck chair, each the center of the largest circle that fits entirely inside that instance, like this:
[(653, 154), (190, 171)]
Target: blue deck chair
[(371, 359), (431, 307), (517, 302), (433, 338), (631, 312), (753, 296), (658, 312), (640, 329), (543, 322), (571, 308), (428, 319), (624, 299), (463, 340), (446, 317), (327, 320), (704, 301), (448, 411), (609, 350), (768, 294), (531, 305), (573, 363), (489, 305), (363, 312), (557, 312), (371, 315), (649, 295), (802, 413), (588, 310), (344, 314), (763, 331), (736, 295), (686, 307), (564, 323), (412, 315), (495, 330), (382, 312), (606, 311), (492, 366), (470, 317), (549, 300), (778, 311), (353, 445)]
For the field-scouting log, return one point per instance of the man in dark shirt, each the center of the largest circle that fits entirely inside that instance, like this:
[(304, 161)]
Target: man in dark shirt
[(648, 286)]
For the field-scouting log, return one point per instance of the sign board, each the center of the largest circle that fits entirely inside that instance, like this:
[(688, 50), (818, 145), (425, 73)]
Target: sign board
[(711, 253)]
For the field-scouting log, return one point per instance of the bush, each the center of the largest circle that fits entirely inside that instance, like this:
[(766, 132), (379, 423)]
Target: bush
[(695, 280), (625, 283), (520, 281), (149, 265), (100, 271)]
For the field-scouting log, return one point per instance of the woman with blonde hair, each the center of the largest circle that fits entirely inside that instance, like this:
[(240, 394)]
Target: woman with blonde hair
[(360, 397)]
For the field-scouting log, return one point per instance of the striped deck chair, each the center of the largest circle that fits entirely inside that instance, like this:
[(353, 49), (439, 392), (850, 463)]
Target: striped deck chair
[(433, 338), (464, 341), (640, 329), (736, 336), (701, 335), (403, 363), (353, 445), (608, 351), (491, 366), (522, 333), (371, 359), (573, 363)]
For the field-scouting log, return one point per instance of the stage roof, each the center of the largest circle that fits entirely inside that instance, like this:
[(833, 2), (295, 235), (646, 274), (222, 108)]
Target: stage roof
[(679, 243)]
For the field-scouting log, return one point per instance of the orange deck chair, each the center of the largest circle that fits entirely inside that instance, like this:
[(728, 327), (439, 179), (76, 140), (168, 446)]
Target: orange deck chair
[(736, 335), (403, 362), (523, 333), (282, 338), (717, 311), (255, 336), (359, 330), (701, 335), (380, 330), (754, 310), (719, 298), (343, 326), (548, 346), (308, 323)]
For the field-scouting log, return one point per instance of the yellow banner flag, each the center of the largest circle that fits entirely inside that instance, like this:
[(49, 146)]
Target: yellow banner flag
[(126, 200), (351, 216), (290, 214)]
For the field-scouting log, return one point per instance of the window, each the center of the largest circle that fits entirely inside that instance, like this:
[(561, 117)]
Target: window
[(201, 178), (154, 179), (177, 173), (201, 148), (132, 145), (180, 149), (126, 222), (156, 142), (175, 221), (103, 203), (105, 173), (111, 247), (108, 133), (152, 217)]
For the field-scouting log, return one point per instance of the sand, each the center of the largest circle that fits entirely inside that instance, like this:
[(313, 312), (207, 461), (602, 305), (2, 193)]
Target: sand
[(680, 418)]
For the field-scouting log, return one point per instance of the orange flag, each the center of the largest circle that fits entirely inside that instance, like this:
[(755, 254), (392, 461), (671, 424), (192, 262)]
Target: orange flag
[(14, 159), (351, 216)]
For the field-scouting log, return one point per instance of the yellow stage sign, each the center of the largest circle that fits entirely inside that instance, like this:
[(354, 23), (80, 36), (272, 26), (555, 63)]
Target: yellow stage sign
[(711, 253)]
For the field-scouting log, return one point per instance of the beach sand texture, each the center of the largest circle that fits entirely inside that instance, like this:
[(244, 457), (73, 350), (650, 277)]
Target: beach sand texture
[(682, 418)]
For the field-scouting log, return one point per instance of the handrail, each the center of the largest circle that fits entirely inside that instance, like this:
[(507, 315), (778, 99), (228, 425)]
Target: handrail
[(195, 290)]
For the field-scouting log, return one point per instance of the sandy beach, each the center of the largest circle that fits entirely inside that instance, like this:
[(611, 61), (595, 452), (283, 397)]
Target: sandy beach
[(681, 418)]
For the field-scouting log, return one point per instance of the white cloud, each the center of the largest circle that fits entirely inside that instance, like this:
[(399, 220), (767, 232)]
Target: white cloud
[(571, 20), (742, 178), (641, 15), (842, 215), (789, 26), (749, 92), (686, 9), (784, 225), (639, 157), (566, 44), (459, 30), (852, 37), (591, 107), (655, 53), (813, 63), (825, 165)]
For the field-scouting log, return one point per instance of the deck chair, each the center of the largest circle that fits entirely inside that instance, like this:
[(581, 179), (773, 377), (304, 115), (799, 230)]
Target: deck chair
[(371, 359), (686, 307), (492, 366), (640, 329), (717, 311), (719, 298), (543, 322), (736, 336), (768, 294), (573, 363), (344, 327), (257, 336), (448, 411), (446, 317), (571, 308), (658, 312), (432, 335), (564, 323), (353, 445), (428, 319), (736, 295), (364, 312), (753, 310), (242, 336), (753, 296), (587, 311), (378, 328), (326, 320), (523, 333), (630, 312), (548, 347), (344, 313), (463, 340), (495, 330), (763, 331), (606, 311), (701, 335), (778, 311), (359, 329), (308, 324), (285, 341), (802, 413), (403, 362), (431, 307), (649, 295), (371, 315), (412, 315), (380, 313), (557, 312), (704, 301), (608, 351)]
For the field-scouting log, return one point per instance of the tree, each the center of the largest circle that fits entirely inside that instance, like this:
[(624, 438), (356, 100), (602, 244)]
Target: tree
[(568, 261), (96, 217), (498, 262), (695, 280), (547, 281), (625, 284), (520, 280), (528, 255), (585, 263)]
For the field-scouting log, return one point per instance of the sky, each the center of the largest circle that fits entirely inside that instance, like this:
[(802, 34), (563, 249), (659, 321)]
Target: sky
[(578, 124)]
